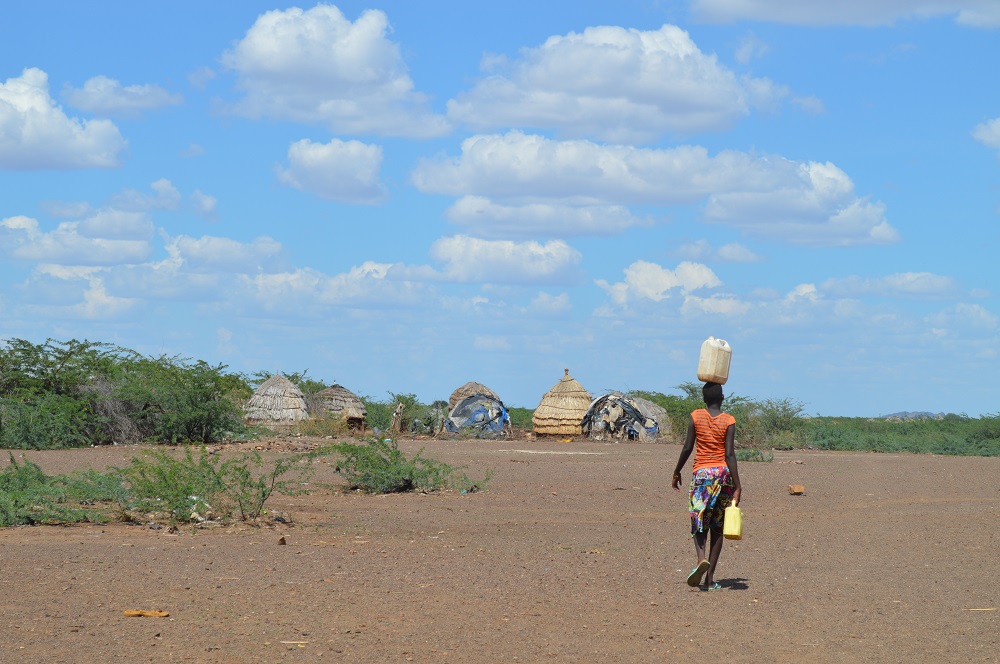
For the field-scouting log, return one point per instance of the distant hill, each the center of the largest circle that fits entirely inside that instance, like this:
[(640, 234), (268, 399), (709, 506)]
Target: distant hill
[(914, 415)]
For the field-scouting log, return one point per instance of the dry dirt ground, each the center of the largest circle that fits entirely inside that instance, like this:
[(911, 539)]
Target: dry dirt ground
[(577, 552)]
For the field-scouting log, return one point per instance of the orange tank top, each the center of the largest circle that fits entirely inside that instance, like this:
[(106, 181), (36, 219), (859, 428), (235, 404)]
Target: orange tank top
[(710, 438)]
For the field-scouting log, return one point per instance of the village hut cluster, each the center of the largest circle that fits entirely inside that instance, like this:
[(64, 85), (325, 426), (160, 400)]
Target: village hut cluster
[(566, 411)]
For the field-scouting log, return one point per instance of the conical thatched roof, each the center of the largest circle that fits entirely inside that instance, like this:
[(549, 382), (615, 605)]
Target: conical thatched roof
[(468, 390), (338, 400), (276, 400), (561, 409)]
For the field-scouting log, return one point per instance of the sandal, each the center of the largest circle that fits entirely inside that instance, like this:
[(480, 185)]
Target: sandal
[(694, 578), (714, 586)]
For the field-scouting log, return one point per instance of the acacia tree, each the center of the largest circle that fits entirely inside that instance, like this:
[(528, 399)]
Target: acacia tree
[(74, 393)]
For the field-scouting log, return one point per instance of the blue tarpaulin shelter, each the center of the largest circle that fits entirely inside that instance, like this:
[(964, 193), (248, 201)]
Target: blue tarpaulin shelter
[(480, 414)]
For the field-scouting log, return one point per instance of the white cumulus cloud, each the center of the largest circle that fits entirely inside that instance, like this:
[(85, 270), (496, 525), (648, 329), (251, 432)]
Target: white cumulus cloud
[(731, 252), (808, 203), (346, 171), (617, 84), (468, 259), (165, 196), (310, 292), (317, 66), (204, 204), (973, 13), (107, 96), (722, 305), (220, 254), (483, 217), (988, 133), (964, 316), (805, 204), (106, 238), (645, 280), (901, 284), (36, 134)]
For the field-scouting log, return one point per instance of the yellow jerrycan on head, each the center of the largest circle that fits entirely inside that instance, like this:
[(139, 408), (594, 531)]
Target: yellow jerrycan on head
[(713, 362)]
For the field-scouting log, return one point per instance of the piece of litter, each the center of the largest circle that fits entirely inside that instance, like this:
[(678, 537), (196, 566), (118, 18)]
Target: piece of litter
[(141, 613), (989, 609)]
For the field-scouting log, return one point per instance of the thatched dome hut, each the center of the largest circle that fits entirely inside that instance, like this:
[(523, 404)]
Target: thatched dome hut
[(562, 409), (277, 400), (338, 401), (468, 390)]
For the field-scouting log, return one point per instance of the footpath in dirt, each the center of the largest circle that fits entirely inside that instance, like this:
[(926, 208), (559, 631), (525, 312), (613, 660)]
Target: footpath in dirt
[(577, 552)]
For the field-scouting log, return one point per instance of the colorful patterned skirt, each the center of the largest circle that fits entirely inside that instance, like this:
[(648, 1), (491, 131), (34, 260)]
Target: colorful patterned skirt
[(711, 493)]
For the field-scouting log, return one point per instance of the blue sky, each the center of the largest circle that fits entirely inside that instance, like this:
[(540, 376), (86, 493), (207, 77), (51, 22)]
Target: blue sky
[(406, 196)]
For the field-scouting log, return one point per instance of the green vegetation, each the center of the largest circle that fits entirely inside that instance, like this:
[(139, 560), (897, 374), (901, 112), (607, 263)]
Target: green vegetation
[(157, 487), (76, 393), (28, 496), (520, 418), (952, 434), (754, 454), (416, 417), (186, 488), (378, 466), (779, 424), (61, 394), (189, 488)]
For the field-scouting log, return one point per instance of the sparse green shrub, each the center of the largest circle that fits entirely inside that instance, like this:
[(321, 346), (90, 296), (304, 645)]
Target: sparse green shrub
[(28, 496), (759, 423), (43, 421), (787, 440), (521, 418), (378, 466), (185, 488), (174, 401), (379, 413), (416, 417), (953, 435), (754, 454), (679, 408), (163, 484), (328, 426)]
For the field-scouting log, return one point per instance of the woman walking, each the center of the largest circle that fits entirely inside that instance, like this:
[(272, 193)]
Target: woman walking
[(715, 483)]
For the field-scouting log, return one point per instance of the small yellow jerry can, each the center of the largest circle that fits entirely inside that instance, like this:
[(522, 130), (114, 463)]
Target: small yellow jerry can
[(732, 526)]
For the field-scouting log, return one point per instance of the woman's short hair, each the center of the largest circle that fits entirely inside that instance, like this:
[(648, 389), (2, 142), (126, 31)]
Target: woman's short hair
[(712, 393)]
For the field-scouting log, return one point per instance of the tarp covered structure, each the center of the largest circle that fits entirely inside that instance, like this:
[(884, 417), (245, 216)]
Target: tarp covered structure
[(468, 390), (277, 400), (656, 412), (562, 407), (616, 416), (483, 415)]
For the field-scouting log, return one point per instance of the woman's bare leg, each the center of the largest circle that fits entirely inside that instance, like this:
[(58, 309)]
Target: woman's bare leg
[(700, 539), (713, 554)]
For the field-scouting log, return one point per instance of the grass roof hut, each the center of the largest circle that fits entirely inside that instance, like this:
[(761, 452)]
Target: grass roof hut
[(277, 400), (562, 409), (338, 401), (468, 390)]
